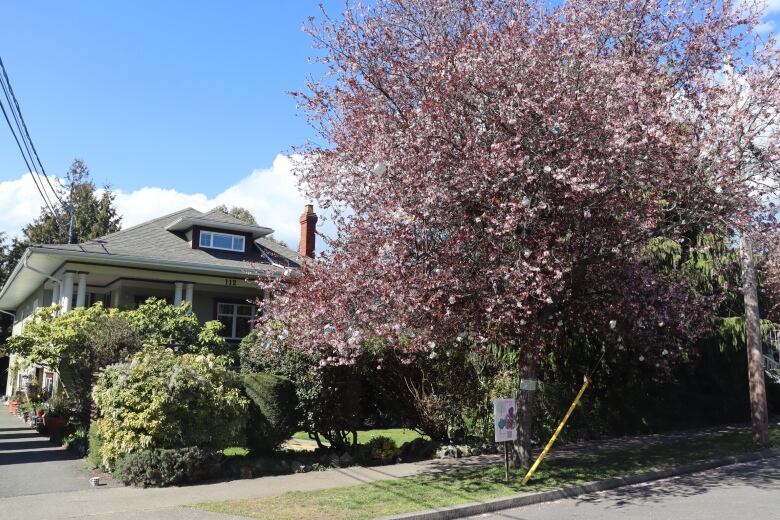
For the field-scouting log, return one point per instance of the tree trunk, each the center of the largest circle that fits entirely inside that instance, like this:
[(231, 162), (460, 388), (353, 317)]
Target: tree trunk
[(526, 412), (758, 410)]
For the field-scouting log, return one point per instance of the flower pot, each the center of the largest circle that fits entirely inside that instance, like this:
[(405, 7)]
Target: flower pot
[(12, 406), (53, 424)]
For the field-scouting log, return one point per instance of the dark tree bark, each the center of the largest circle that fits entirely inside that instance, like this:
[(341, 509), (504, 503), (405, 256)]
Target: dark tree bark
[(758, 408), (526, 411)]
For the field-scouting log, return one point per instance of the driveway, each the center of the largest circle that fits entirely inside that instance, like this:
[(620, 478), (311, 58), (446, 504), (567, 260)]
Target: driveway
[(31, 465)]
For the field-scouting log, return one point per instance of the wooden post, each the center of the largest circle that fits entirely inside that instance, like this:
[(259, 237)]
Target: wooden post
[(506, 461), (758, 411)]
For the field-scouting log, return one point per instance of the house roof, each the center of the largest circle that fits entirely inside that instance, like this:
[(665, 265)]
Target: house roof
[(154, 240), (156, 243)]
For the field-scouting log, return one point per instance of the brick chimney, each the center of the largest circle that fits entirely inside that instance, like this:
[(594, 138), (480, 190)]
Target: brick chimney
[(308, 228)]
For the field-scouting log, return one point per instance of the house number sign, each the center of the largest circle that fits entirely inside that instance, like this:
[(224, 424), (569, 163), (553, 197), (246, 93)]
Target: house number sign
[(230, 282)]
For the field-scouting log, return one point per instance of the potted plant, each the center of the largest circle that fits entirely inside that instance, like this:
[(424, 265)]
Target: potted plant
[(21, 403), (56, 414), (38, 402)]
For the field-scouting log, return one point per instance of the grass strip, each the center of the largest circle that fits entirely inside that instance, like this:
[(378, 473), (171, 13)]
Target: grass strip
[(399, 435), (434, 490)]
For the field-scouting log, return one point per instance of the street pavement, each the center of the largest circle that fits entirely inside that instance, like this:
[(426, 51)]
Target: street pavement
[(742, 491)]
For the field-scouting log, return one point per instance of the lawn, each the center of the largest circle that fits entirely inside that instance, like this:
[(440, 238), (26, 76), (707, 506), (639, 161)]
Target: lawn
[(399, 435), (468, 485), (235, 452)]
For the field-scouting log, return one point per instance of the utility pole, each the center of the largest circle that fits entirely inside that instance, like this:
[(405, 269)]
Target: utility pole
[(758, 411), (71, 209)]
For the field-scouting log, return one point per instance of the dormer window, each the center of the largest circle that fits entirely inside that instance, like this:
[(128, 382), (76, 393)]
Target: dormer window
[(224, 241)]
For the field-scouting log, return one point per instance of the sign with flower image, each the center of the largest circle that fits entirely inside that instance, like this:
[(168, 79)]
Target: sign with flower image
[(505, 419)]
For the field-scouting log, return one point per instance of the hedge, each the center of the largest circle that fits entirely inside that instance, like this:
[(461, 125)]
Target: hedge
[(272, 411)]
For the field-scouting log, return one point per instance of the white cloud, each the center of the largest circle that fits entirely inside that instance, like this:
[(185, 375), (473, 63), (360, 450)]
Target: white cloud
[(20, 202), (271, 195), (765, 27)]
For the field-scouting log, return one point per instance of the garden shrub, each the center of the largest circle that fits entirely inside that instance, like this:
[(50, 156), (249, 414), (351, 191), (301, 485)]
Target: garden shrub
[(166, 467), (160, 399), (76, 441), (94, 443), (381, 449), (418, 449), (272, 417), (329, 397)]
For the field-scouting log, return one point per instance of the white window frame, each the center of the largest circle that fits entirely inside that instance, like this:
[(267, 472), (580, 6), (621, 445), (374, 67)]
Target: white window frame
[(234, 316), (209, 235)]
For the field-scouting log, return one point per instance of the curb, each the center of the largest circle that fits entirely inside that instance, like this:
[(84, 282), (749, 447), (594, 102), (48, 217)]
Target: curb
[(498, 504)]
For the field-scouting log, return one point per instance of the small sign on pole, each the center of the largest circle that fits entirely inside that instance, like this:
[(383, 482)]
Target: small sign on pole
[(505, 422)]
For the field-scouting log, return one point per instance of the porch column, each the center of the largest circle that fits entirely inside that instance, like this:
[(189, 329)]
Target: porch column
[(177, 293), (81, 295), (66, 297), (55, 294), (188, 290)]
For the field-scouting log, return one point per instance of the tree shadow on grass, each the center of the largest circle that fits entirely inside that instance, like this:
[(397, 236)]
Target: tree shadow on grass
[(477, 484)]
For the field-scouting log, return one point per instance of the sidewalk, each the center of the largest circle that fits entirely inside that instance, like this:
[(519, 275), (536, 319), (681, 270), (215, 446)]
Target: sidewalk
[(129, 502), (132, 503)]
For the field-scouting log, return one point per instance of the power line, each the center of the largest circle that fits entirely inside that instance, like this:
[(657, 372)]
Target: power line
[(24, 142), (27, 145), (26, 132), (24, 157)]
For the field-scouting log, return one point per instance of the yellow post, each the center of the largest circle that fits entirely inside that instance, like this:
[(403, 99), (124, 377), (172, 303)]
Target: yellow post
[(555, 435)]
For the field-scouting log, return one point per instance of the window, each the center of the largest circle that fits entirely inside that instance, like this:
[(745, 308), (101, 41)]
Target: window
[(212, 240), (236, 318)]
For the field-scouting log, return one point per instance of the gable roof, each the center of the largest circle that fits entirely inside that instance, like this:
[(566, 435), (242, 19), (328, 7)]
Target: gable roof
[(155, 241)]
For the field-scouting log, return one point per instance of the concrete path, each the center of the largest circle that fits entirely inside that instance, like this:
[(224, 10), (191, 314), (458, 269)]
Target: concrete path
[(746, 491), (31, 465)]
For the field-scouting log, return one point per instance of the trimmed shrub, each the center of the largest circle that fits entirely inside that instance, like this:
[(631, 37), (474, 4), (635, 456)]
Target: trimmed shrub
[(381, 449), (164, 400), (272, 417), (418, 449), (161, 467)]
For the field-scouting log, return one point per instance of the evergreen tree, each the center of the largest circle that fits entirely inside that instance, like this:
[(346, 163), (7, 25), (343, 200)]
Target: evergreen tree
[(94, 212), (238, 212), (94, 216)]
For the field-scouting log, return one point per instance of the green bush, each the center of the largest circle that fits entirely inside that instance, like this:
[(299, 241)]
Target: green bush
[(161, 467), (76, 441), (164, 400), (328, 397), (94, 443), (272, 417), (382, 449), (418, 449)]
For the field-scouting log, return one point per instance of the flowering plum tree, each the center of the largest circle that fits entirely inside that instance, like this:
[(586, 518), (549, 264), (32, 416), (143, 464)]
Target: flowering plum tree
[(496, 169)]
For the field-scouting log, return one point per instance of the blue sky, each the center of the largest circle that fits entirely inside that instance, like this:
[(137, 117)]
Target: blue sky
[(186, 96), (172, 94), (171, 103)]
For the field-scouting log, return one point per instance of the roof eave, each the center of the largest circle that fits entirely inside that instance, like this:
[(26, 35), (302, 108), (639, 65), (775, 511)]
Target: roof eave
[(185, 223)]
